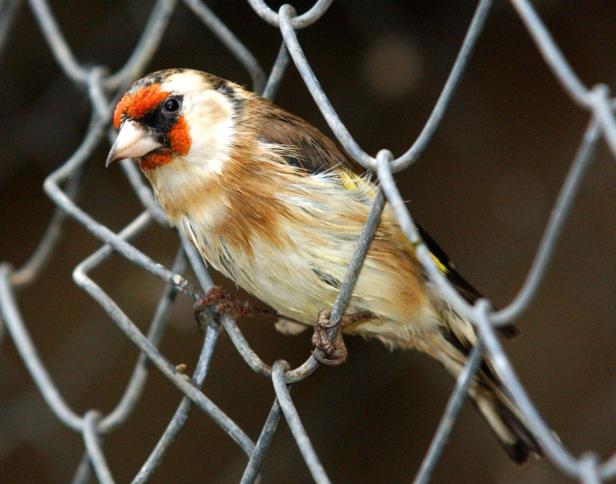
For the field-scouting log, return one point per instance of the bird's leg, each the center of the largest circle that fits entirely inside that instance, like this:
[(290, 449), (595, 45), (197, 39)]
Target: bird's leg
[(335, 350), (221, 302)]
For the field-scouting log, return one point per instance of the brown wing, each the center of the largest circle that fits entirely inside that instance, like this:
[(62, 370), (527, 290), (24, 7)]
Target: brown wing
[(313, 151)]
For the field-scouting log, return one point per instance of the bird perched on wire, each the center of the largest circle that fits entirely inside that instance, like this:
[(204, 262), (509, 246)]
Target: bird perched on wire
[(277, 207)]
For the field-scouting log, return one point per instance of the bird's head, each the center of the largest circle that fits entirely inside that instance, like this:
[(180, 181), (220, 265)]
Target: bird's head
[(175, 117)]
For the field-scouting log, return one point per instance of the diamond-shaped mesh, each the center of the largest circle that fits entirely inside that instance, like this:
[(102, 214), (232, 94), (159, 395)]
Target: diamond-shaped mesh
[(103, 87)]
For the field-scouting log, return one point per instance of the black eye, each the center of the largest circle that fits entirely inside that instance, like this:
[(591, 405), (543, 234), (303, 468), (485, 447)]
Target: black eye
[(171, 105)]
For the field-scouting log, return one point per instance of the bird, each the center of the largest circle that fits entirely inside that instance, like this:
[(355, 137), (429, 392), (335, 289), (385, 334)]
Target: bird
[(277, 207)]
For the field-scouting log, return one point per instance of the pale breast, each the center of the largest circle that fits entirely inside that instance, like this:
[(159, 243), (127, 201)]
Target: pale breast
[(281, 277), (302, 273)]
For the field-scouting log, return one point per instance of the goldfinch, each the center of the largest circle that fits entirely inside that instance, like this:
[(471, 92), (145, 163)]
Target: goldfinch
[(277, 207)]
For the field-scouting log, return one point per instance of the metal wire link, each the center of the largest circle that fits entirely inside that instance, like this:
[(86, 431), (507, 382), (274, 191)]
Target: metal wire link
[(103, 88)]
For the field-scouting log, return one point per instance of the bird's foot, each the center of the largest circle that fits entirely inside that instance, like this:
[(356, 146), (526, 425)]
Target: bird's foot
[(221, 302), (335, 351), (332, 352)]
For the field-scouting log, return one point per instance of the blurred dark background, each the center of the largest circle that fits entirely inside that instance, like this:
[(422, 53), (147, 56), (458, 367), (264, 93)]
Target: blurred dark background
[(483, 188)]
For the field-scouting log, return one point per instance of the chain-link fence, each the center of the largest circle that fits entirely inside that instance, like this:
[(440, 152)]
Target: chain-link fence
[(103, 88)]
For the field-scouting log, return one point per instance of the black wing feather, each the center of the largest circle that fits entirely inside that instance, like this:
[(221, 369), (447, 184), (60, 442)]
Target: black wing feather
[(466, 290)]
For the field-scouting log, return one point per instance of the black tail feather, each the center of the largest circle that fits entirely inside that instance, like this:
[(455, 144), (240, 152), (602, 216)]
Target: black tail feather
[(488, 393), (526, 441)]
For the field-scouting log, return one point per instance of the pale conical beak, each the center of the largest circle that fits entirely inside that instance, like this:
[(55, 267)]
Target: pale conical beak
[(133, 141)]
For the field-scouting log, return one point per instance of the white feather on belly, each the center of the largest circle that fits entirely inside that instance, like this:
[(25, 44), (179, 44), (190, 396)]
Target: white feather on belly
[(303, 276)]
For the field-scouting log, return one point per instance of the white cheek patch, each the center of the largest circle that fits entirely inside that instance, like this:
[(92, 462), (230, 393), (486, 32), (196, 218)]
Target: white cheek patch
[(209, 116)]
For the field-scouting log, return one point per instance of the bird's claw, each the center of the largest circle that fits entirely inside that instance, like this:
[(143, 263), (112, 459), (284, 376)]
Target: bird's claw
[(333, 352), (221, 302)]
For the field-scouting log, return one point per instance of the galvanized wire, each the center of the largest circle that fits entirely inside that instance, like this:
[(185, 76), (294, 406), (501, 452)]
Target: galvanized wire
[(103, 88)]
